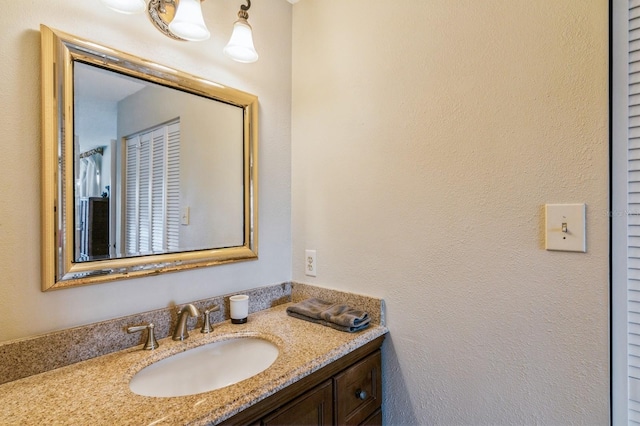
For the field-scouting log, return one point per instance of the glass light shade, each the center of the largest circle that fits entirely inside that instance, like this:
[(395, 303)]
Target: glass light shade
[(125, 6), (188, 22), (240, 47)]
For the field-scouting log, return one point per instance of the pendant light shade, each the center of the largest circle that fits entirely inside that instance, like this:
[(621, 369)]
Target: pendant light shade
[(125, 6), (240, 47), (189, 22)]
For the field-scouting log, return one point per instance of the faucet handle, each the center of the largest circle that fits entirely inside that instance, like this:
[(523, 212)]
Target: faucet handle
[(206, 326), (151, 342)]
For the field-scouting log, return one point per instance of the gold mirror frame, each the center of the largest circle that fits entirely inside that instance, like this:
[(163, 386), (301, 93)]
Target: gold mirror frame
[(59, 51)]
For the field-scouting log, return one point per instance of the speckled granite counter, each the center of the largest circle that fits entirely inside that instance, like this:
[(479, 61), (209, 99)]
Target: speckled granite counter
[(96, 391)]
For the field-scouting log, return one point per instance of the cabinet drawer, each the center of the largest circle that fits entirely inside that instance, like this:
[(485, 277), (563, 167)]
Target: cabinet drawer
[(358, 391), (314, 408)]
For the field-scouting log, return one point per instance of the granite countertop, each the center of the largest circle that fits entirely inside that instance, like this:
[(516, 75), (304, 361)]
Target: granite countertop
[(97, 392)]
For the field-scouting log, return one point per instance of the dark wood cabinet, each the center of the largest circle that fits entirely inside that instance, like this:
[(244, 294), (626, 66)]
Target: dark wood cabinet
[(94, 228), (314, 408), (346, 392)]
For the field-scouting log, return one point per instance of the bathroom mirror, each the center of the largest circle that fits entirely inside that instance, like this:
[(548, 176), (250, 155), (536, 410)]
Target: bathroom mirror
[(146, 169)]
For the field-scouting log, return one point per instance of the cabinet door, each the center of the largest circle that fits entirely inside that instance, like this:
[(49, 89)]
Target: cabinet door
[(359, 391), (374, 420), (313, 408)]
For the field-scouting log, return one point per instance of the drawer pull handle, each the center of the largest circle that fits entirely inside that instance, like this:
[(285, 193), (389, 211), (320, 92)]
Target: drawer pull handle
[(361, 394)]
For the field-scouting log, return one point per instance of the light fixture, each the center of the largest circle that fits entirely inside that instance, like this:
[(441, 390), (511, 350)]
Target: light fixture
[(188, 22), (240, 47), (183, 20)]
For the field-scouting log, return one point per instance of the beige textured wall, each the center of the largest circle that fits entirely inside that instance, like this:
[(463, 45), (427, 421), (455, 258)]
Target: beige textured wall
[(24, 309), (427, 135)]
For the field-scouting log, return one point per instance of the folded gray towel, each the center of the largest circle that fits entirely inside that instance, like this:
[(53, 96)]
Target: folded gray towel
[(312, 308), (345, 316), (334, 315)]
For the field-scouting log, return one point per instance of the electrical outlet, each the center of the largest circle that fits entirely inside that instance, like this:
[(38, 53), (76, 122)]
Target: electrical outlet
[(310, 263)]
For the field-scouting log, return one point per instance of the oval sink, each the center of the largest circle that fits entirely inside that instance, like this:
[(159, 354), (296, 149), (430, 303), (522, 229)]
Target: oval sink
[(205, 368)]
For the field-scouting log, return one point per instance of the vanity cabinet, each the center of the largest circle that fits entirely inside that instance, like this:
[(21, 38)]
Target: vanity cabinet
[(346, 392)]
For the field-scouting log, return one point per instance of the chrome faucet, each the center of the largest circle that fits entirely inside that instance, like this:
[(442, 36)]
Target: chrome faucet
[(186, 311)]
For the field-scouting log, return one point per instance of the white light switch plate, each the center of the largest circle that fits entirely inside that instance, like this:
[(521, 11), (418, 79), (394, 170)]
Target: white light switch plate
[(184, 216), (565, 228)]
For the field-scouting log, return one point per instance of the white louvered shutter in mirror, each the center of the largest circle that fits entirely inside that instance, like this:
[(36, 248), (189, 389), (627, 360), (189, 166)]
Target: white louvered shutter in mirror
[(173, 186), (152, 199)]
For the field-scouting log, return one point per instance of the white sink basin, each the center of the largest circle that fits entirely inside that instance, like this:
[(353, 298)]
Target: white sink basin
[(205, 368)]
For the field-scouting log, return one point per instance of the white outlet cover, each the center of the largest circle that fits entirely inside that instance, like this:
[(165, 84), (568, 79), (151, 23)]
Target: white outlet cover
[(310, 263), (573, 238)]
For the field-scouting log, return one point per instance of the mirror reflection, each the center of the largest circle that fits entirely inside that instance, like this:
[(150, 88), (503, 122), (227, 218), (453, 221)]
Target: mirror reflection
[(156, 170)]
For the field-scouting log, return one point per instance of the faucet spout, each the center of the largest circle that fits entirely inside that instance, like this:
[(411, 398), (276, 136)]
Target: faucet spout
[(188, 310)]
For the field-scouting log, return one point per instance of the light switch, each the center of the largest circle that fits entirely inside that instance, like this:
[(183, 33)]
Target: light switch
[(565, 228), (184, 216)]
